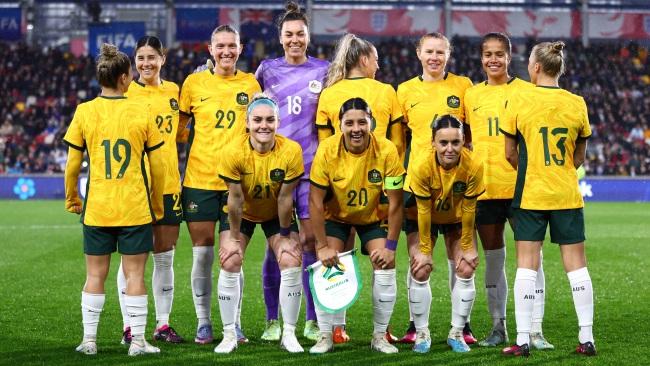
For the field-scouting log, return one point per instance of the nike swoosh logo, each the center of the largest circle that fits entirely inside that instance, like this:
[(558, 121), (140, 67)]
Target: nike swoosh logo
[(476, 109), (337, 179), (397, 182), (463, 300), (414, 104), (167, 289), (201, 295), (274, 86), (204, 99), (177, 214)]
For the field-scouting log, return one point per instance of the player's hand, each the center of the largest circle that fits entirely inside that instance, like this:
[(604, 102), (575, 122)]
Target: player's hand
[(74, 205), (420, 261), (384, 258), (470, 258), (288, 246), (209, 65), (228, 248), (328, 256)]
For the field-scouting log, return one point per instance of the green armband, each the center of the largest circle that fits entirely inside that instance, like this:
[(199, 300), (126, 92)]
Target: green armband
[(394, 182)]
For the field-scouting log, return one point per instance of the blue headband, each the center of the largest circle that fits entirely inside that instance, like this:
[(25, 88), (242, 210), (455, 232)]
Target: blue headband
[(262, 101)]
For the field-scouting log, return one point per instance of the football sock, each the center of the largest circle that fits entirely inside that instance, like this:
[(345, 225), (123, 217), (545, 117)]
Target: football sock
[(202, 260), (451, 266), (308, 258), (271, 283), (524, 294), (290, 295), (409, 278), (121, 291), (583, 300), (136, 306), (419, 295), (540, 298), (241, 296), (162, 283), (384, 288), (339, 318), (228, 294), (462, 299), (496, 285), (91, 309)]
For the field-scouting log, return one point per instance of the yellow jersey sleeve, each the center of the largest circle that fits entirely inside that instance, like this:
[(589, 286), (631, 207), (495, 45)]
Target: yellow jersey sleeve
[(419, 173), (74, 136), (585, 131), (295, 167), (229, 167)]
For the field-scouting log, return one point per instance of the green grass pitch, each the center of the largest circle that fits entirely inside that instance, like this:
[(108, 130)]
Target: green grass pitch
[(42, 273)]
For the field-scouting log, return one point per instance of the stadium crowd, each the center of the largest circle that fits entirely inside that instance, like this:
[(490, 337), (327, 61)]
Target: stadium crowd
[(41, 88)]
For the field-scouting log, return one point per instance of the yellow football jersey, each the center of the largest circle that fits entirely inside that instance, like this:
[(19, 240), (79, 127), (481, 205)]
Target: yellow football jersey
[(484, 106), (117, 132), (547, 122), (446, 188), (218, 105), (163, 106), (355, 183), (380, 97), (261, 175), (422, 102)]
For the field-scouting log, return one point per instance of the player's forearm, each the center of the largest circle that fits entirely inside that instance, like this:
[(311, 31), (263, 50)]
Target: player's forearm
[(235, 212), (467, 222), (424, 226), (285, 210), (72, 170), (580, 152), (317, 219), (183, 132), (395, 213)]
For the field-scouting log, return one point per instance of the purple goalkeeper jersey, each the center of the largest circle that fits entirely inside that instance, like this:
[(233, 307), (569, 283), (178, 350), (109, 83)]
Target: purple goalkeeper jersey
[(296, 88)]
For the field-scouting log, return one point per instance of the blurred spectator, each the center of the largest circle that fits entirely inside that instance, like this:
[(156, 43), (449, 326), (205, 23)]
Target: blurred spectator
[(42, 87)]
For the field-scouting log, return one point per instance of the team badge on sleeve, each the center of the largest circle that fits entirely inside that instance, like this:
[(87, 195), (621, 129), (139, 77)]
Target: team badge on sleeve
[(374, 176), (242, 98), (453, 101), (173, 103), (315, 86), (277, 175)]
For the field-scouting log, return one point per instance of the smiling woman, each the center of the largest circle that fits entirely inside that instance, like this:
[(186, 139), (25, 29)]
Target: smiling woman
[(216, 99)]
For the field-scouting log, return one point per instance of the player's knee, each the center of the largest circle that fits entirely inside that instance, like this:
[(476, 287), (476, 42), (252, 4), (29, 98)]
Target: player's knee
[(464, 270), (288, 261), (232, 264), (422, 274)]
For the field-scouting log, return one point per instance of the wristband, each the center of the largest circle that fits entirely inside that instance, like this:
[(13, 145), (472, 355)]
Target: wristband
[(391, 244), (285, 231)]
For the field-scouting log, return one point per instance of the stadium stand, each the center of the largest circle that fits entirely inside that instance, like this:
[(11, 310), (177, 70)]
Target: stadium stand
[(43, 86)]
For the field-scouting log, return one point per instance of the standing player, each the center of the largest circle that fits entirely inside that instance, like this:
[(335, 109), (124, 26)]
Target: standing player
[(445, 183), (550, 127), (295, 82), (118, 209), (262, 170), (216, 98), (162, 98), (423, 99), (354, 173), (352, 75)]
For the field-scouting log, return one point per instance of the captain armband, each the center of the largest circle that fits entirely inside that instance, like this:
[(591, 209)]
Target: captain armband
[(394, 182)]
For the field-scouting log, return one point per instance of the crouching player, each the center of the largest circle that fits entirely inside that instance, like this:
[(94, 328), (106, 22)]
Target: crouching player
[(261, 170), (445, 183), (353, 175)]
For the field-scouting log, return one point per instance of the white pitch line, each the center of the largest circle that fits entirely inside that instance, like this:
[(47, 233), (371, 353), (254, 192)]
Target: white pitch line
[(38, 227)]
